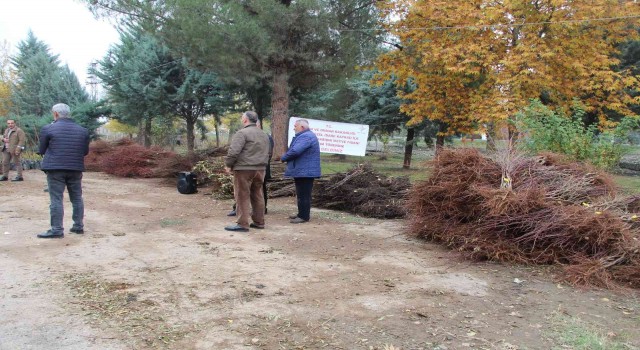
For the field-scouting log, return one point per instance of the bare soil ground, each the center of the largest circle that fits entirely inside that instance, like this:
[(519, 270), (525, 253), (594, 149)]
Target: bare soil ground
[(156, 270)]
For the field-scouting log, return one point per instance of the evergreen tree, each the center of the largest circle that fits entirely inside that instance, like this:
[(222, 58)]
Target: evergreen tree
[(40, 81), (70, 86), (88, 115), (380, 107), (132, 73), (198, 94), (145, 81), (291, 44)]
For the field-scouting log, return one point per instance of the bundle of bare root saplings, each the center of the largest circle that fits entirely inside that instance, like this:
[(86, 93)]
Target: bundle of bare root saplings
[(363, 191), (530, 210), (129, 159)]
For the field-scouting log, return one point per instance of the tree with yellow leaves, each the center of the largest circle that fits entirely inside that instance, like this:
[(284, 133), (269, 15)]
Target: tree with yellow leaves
[(477, 62), (5, 79), (113, 125)]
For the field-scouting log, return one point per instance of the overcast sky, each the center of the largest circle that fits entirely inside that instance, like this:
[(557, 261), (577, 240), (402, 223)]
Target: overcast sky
[(67, 26)]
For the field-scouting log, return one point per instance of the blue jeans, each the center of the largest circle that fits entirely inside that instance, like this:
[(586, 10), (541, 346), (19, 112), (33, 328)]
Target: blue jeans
[(304, 187), (57, 181)]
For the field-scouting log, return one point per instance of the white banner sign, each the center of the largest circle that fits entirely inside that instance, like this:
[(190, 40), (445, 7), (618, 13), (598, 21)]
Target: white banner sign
[(337, 138)]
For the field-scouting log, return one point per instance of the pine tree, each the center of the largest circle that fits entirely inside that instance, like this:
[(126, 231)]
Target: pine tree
[(144, 81), (290, 44), (40, 81)]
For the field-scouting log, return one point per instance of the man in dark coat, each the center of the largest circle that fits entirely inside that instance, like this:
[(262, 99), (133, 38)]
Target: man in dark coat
[(303, 165), (64, 145)]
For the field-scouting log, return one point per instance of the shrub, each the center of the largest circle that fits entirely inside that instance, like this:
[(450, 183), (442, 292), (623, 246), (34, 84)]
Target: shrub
[(548, 130), (212, 171)]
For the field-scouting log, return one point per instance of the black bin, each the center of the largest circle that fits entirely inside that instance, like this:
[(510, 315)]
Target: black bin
[(187, 182)]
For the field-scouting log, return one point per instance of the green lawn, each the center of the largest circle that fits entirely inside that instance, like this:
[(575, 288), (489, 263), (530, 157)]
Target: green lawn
[(391, 165), (628, 184)]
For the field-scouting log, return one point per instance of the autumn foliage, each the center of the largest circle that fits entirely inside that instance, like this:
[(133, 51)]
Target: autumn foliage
[(542, 210), (478, 62)]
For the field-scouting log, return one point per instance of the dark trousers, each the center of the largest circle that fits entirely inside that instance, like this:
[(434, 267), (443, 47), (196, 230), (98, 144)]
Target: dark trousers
[(264, 194), (304, 187), (247, 190), (58, 180)]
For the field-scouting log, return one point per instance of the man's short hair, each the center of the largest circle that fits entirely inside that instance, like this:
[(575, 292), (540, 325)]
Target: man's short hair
[(252, 116), (304, 123), (62, 109)]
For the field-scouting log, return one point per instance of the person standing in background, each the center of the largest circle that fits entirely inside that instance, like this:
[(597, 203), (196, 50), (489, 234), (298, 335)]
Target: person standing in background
[(64, 145), (13, 144), (247, 157), (267, 176), (303, 165)]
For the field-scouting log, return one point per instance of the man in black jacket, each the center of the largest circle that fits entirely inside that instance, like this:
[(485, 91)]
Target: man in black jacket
[(64, 145)]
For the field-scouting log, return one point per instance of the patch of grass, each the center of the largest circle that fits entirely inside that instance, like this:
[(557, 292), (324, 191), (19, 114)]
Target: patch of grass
[(633, 150), (467, 143), (391, 165), (573, 333), (172, 222), (629, 184), (342, 217)]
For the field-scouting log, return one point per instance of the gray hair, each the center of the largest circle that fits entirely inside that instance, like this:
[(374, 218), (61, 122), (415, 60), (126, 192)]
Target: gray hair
[(304, 123), (252, 116), (62, 109)]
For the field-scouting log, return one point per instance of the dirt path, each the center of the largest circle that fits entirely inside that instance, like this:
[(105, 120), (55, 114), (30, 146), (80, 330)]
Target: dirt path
[(156, 270)]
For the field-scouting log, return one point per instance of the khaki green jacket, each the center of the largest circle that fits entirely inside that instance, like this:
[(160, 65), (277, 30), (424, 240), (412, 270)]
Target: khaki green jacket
[(16, 139), (249, 149)]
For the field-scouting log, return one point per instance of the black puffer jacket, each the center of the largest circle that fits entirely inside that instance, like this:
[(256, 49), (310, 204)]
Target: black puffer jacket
[(64, 145)]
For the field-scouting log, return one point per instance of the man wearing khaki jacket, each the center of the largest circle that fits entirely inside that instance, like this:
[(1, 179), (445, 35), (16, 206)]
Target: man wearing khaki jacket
[(247, 157), (13, 145)]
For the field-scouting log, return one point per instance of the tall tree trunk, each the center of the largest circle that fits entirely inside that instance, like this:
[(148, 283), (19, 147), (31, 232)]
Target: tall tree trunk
[(147, 132), (191, 137), (514, 134), (260, 99), (140, 136), (216, 126), (408, 148), (442, 129), (280, 111), (491, 136)]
